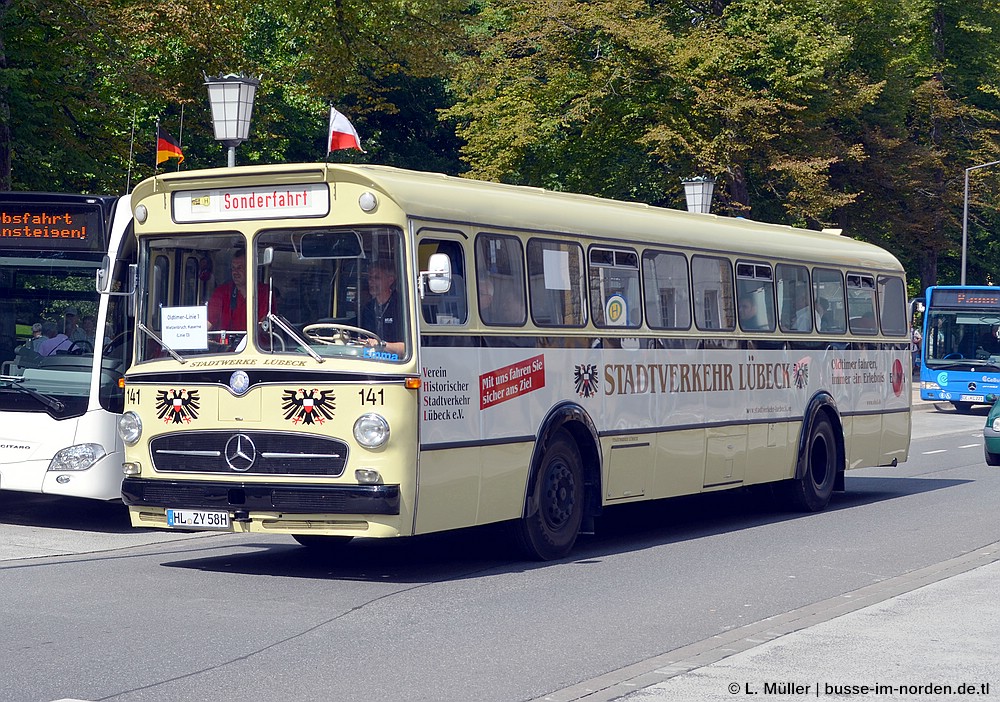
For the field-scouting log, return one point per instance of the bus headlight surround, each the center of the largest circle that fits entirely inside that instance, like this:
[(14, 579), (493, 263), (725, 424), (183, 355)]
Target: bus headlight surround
[(78, 457), (371, 430), (996, 424), (130, 428)]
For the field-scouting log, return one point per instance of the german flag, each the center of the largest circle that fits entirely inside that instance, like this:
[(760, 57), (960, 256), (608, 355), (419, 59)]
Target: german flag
[(167, 147)]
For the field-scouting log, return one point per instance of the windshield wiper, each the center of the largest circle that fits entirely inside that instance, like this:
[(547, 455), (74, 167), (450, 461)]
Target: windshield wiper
[(290, 330), (149, 332), (13, 382)]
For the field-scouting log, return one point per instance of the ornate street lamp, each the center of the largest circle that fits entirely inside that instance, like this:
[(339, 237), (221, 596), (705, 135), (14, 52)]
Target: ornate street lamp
[(232, 99), (698, 192), (965, 214)]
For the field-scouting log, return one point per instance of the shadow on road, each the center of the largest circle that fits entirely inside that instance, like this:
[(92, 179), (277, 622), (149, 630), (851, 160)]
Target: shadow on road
[(479, 551), (53, 512)]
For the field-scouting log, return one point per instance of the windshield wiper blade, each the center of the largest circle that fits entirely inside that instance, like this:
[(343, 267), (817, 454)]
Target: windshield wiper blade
[(290, 330), (146, 330), (14, 383)]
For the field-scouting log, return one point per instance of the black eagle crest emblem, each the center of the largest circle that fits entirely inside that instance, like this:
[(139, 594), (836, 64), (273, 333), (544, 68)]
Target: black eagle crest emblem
[(585, 379), (308, 406), (177, 406)]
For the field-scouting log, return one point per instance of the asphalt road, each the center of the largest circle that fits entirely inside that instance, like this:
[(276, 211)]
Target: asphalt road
[(93, 610)]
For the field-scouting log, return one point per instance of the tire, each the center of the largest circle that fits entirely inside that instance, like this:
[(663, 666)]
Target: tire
[(963, 407), (992, 459), (555, 508), (322, 544), (812, 491)]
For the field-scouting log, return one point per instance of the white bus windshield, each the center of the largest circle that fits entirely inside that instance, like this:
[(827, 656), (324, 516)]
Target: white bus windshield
[(49, 306)]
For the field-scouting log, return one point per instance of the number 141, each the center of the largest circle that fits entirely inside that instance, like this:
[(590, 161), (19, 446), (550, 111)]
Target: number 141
[(370, 396)]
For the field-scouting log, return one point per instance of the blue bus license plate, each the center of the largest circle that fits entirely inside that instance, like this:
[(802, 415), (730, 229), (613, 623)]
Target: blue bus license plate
[(197, 519)]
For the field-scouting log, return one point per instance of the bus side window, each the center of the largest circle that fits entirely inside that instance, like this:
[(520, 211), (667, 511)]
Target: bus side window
[(449, 308), (861, 304), (828, 291), (712, 279), (614, 287), (500, 280), (556, 282), (668, 297), (892, 305)]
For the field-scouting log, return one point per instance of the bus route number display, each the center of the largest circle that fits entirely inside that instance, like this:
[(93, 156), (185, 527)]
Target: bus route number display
[(966, 299), (55, 226)]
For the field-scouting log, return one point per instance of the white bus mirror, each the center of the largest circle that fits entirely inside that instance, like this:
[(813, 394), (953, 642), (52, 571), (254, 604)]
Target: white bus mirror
[(266, 257), (437, 276)]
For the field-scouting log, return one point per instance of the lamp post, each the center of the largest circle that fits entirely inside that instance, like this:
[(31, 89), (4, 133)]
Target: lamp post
[(698, 192), (231, 97), (965, 213)]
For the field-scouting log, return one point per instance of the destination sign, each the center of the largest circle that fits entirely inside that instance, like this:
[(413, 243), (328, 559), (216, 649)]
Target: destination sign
[(966, 299), (55, 225)]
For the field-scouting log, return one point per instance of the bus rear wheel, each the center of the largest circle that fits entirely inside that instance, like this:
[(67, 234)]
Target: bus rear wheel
[(812, 491), (555, 511)]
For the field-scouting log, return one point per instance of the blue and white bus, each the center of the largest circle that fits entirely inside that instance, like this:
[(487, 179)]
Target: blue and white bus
[(960, 354), (60, 399)]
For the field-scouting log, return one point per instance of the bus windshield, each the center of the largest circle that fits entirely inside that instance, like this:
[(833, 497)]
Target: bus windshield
[(966, 337), (50, 306), (317, 292)]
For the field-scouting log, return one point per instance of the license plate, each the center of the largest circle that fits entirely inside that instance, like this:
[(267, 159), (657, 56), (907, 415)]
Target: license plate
[(197, 519), (973, 398)]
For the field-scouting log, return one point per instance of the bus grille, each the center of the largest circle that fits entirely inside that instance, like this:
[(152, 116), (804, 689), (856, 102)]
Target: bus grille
[(248, 453)]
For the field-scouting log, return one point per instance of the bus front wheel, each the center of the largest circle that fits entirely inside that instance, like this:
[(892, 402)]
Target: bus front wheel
[(812, 491), (555, 510)]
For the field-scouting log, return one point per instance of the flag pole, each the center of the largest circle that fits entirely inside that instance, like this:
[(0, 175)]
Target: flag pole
[(180, 136), (131, 153), (156, 144)]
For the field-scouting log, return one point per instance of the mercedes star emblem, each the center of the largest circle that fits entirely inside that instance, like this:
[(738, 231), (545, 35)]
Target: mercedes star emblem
[(240, 453)]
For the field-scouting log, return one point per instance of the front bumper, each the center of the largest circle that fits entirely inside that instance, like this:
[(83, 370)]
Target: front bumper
[(288, 499)]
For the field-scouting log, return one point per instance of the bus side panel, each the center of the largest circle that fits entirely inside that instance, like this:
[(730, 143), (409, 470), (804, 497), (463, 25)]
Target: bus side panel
[(448, 494), (771, 451), (680, 463)]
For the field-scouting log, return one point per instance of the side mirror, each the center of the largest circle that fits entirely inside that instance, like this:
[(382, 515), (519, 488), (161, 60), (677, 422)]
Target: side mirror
[(105, 281), (437, 277)]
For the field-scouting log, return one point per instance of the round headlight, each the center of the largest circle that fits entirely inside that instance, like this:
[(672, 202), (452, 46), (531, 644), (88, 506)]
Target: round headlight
[(371, 430), (130, 428), (996, 424)]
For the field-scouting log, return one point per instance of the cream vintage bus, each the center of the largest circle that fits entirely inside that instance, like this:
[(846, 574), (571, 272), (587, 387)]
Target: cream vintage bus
[(428, 353)]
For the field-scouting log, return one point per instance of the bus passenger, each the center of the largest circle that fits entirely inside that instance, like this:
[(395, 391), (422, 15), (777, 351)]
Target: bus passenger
[(748, 314), (227, 308), (54, 340), (383, 312)]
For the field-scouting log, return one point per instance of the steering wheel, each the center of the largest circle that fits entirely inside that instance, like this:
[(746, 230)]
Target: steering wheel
[(80, 347), (340, 334), (953, 355), (114, 342)]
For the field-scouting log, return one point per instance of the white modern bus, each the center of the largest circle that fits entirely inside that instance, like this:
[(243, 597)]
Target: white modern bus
[(430, 353), (61, 395)]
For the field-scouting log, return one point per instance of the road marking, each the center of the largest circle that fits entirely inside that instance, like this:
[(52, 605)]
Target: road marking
[(971, 446), (931, 453)]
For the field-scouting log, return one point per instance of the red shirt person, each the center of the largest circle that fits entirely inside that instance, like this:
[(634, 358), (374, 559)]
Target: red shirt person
[(227, 308)]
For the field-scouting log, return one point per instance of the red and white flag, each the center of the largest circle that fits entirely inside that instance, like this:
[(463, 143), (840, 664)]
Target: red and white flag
[(343, 135)]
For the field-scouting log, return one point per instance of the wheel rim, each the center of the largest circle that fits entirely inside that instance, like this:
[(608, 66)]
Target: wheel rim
[(560, 495), (820, 460)]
